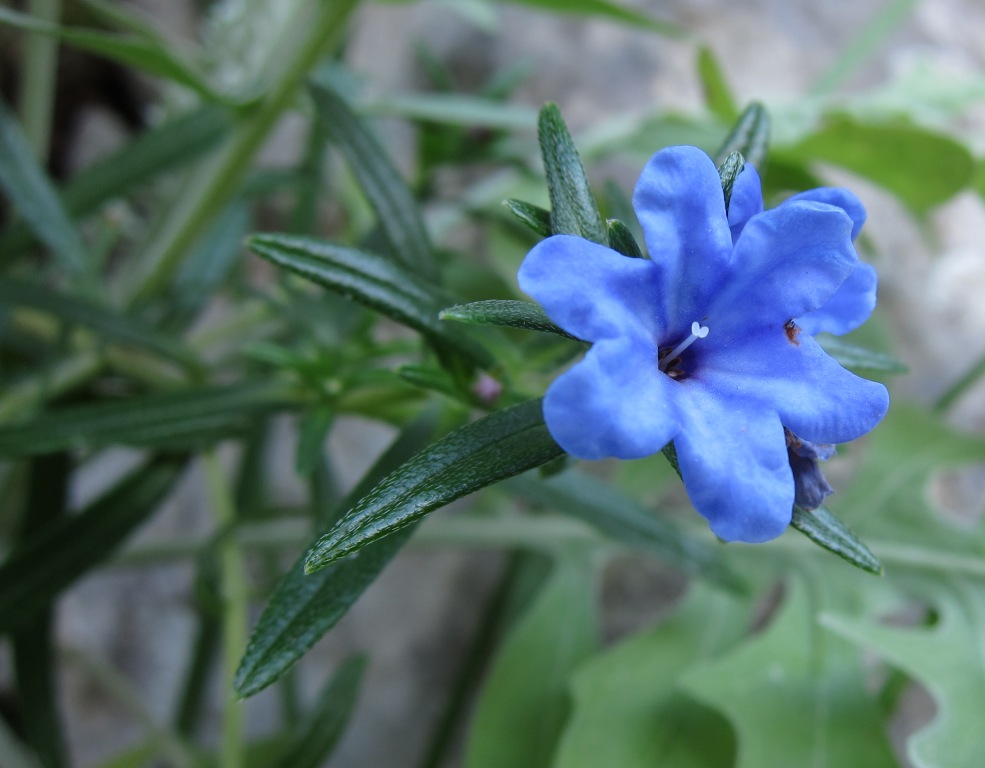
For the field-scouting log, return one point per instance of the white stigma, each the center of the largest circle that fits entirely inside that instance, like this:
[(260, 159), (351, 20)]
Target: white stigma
[(698, 331)]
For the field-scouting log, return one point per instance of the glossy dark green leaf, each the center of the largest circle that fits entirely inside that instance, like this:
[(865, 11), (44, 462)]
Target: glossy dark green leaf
[(573, 209), (718, 95), (620, 518), (176, 418), (372, 280), (532, 216), (399, 215), (314, 737), (106, 322), (53, 558), (498, 446), (749, 137), (141, 53), (621, 239), (827, 531), (921, 167), (859, 358), (35, 199), (303, 607), (505, 312)]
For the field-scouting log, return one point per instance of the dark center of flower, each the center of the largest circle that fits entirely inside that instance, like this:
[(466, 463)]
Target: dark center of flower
[(668, 359)]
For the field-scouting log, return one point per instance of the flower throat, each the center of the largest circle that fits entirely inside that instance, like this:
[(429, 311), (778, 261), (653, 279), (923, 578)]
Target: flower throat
[(698, 331)]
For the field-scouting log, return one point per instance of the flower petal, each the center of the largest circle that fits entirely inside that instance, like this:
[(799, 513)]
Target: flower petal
[(848, 308), (788, 261), (746, 202), (614, 403), (815, 397), (593, 292), (733, 459), (838, 197), (679, 203)]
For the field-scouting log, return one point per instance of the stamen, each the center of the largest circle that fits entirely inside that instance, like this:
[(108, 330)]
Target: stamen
[(698, 331)]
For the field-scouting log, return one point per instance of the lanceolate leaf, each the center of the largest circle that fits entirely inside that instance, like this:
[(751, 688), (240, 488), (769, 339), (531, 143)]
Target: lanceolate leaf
[(498, 446), (749, 137), (177, 418), (400, 218), (315, 737), (717, 93), (621, 239), (826, 530), (53, 558), (106, 322), (859, 358), (573, 209), (303, 608), (35, 199), (505, 312), (616, 515), (371, 280), (533, 216)]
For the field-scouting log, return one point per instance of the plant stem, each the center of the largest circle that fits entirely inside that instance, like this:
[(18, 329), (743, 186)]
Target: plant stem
[(218, 179), (37, 95), (234, 610)]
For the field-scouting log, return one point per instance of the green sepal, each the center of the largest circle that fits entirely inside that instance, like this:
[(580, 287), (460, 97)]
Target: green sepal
[(505, 312), (621, 239), (532, 216), (826, 530), (484, 452), (573, 209), (727, 172), (750, 136), (373, 280)]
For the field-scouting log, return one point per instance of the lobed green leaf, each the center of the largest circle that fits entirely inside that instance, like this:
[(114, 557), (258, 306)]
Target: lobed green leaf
[(498, 446)]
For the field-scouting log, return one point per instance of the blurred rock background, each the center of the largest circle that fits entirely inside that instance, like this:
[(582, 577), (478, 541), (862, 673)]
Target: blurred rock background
[(418, 619)]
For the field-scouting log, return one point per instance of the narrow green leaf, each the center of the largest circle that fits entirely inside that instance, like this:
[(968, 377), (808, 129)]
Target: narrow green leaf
[(160, 149), (106, 322), (608, 10), (398, 212), (33, 641), (619, 517), (621, 239), (749, 137), (372, 280), (859, 358), (498, 446), (174, 418), (314, 738), (727, 172), (312, 433), (827, 531), (34, 198), (533, 216), (145, 54), (573, 209), (937, 167), (718, 95), (454, 109), (49, 561), (505, 312), (525, 695), (303, 608)]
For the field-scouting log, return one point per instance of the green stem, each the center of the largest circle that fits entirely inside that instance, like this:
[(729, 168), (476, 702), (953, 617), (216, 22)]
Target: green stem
[(37, 96), (234, 612), (216, 182)]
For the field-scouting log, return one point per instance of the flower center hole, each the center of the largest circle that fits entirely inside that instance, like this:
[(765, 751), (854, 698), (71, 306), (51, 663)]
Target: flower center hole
[(698, 331)]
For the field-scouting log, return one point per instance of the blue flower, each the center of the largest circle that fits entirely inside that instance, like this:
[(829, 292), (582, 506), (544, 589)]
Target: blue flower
[(698, 344)]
